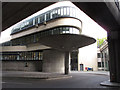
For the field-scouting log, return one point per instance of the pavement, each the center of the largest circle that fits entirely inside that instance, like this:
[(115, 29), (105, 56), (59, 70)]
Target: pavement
[(44, 75), (34, 75), (76, 79), (94, 72)]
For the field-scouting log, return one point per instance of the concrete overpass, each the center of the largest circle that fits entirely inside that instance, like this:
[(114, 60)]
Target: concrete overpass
[(106, 14)]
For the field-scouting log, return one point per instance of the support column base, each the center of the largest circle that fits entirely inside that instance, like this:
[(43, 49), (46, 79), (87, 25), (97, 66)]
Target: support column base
[(110, 84)]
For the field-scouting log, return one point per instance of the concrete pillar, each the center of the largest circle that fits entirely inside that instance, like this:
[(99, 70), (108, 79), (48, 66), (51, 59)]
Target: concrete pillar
[(104, 61), (67, 62), (114, 55), (53, 61)]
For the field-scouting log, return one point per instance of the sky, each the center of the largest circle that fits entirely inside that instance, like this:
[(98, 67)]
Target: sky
[(90, 28)]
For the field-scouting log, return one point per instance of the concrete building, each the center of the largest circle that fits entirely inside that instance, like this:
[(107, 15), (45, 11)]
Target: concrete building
[(105, 13), (43, 42)]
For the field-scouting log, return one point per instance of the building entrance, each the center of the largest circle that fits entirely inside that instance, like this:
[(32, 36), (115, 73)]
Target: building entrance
[(81, 67)]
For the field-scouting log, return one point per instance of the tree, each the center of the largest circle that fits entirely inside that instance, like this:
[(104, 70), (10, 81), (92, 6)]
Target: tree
[(100, 41)]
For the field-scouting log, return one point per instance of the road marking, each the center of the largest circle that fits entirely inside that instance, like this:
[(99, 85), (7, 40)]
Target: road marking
[(16, 83), (58, 78), (3, 82)]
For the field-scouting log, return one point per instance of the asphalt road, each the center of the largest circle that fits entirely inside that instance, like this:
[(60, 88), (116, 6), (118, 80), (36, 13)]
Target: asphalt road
[(78, 80)]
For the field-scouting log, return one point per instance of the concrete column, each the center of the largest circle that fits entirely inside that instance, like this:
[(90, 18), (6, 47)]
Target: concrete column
[(53, 61), (67, 62), (114, 55), (104, 61)]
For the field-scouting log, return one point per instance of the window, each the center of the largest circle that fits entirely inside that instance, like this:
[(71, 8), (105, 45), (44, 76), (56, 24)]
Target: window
[(98, 55), (75, 31), (71, 30), (48, 16), (36, 20), (59, 12), (65, 11), (42, 18), (71, 12), (62, 12), (68, 11), (64, 30), (74, 13), (99, 64), (67, 30), (54, 14)]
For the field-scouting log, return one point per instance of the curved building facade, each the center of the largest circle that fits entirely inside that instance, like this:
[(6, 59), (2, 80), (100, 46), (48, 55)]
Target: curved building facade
[(49, 35)]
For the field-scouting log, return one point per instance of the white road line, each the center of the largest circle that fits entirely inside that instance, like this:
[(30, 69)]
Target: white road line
[(58, 78), (16, 83), (2, 82)]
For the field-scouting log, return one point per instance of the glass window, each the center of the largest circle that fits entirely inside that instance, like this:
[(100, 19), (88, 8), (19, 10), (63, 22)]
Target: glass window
[(30, 22), (71, 12), (54, 13), (65, 11), (54, 31), (74, 13), (38, 19), (36, 55), (42, 18), (71, 30), (48, 16), (67, 30), (33, 21), (75, 31), (102, 64), (39, 56), (64, 30), (68, 11), (99, 64), (57, 31), (98, 55), (61, 11), (77, 13)]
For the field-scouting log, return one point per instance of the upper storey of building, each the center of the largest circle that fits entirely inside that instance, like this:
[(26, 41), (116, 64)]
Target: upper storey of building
[(57, 26), (56, 11)]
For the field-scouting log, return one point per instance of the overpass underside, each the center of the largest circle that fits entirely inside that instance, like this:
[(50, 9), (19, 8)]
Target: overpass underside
[(107, 15)]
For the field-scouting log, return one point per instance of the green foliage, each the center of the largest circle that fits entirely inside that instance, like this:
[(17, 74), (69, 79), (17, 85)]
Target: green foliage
[(100, 41)]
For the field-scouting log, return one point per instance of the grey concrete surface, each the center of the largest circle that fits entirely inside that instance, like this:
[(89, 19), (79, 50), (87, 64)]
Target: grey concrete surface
[(20, 65), (33, 75), (108, 83), (78, 80), (53, 61)]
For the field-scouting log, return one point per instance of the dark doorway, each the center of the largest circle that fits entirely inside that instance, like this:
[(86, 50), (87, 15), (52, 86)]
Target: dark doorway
[(74, 60), (81, 67)]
